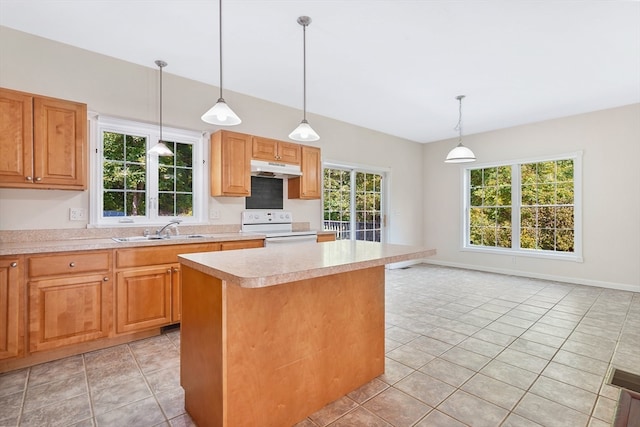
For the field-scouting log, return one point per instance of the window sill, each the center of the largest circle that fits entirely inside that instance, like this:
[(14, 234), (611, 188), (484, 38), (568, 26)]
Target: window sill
[(573, 257)]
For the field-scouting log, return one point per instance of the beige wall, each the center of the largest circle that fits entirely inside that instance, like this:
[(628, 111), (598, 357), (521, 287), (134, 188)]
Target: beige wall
[(117, 88), (610, 141)]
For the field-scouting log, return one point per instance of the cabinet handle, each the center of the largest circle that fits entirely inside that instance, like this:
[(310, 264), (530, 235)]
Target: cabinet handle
[(105, 279), (72, 264), (28, 178), (14, 264), (38, 179)]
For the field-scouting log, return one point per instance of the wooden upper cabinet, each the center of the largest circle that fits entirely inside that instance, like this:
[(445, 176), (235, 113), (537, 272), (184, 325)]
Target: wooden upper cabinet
[(16, 138), (230, 167), (43, 142), (273, 150), (309, 185)]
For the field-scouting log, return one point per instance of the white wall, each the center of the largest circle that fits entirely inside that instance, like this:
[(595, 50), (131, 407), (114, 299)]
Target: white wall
[(610, 141), (121, 89)]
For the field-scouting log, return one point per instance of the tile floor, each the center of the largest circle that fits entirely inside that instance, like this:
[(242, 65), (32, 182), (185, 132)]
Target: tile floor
[(463, 349)]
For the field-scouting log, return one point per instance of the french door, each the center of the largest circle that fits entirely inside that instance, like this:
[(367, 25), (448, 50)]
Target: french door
[(353, 203)]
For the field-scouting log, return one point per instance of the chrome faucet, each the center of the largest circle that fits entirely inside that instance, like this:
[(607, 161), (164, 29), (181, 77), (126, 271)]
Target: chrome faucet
[(173, 222)]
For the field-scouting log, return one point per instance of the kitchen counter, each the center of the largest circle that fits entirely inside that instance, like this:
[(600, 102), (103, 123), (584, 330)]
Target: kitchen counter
[(271, 335), (259, 268), (80, 243)]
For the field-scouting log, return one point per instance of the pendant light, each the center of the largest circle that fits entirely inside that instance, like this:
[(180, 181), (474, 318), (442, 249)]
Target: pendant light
[(304, 132), (221, 114), (160, 148), (460, 153)]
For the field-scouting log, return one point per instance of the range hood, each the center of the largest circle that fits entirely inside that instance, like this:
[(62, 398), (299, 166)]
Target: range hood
[(274, 169)]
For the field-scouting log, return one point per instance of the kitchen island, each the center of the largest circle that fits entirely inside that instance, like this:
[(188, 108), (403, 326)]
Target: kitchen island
[(271, 335)]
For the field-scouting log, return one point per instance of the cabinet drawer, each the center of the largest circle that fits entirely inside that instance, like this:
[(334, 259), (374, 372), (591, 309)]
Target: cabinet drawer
[(242, 244), (69, 263), (138, 257)]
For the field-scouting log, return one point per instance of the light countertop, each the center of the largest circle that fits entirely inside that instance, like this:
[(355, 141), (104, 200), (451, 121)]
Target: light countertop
[(260, 267), (83, 244)]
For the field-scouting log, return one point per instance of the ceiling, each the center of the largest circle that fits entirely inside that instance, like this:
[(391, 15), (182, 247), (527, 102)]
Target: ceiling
[(390, 65)]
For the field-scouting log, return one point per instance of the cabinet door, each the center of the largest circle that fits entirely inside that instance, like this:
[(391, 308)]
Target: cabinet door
[(176, 294), (274, 150), (143, 298), (60, 134), (230, 164), (16, 138), (309, 185), (11, 307), (264, 149), (289, 152), (68, 310)]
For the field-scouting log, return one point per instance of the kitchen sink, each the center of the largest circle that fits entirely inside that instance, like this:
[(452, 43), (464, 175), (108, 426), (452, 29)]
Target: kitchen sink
[(154, 237)]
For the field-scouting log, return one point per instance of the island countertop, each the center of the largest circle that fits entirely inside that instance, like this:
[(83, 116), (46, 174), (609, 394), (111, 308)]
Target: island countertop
[(269, 266)]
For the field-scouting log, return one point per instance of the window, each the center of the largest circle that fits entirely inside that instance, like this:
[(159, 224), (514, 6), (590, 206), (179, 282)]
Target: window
[(352, 204), (525, 208), (131, 186)]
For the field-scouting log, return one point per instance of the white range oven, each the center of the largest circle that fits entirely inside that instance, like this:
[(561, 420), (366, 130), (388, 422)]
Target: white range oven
[(276, 225)]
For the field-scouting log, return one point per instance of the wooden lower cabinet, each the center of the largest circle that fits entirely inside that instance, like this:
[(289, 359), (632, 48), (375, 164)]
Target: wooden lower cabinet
[(144, 297), (68, 310), (53, 305), (11, 307), (176, 294), (69, 298), (327, 237)]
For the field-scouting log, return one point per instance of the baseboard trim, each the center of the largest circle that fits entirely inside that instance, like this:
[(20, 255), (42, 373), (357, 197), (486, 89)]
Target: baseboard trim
[(563, 279)]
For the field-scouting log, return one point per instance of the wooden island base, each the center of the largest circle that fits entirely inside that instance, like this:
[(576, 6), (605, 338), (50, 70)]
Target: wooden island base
[(271, 356)]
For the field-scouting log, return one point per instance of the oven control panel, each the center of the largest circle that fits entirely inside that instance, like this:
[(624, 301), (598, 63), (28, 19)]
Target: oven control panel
[(266, 217)]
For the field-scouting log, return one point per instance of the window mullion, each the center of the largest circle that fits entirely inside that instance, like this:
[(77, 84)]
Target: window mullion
[(152, 182), (516, 191)]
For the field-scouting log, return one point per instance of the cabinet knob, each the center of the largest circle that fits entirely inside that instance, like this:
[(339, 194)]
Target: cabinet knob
[(14, 264), (28, 178), (175, 269), (38, 179), (105, 279), (169, 270), (72, 264)]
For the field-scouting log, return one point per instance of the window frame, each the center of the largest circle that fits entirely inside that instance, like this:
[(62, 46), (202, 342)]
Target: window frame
[(516, 186), (352, 169), (98, 125)]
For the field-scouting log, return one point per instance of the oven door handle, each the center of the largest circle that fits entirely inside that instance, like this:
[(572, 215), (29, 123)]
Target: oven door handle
[(291, 239)]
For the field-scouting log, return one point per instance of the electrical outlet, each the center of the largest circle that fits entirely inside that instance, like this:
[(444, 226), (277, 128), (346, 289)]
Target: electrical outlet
[(214, 214), (77, 214)]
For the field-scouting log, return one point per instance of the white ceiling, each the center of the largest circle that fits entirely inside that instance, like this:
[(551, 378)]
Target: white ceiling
[(389, 65)]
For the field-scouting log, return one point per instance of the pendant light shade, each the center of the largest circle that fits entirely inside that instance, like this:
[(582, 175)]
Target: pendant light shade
[(460, 153), (304, 132), (221, 114), (160, 148)]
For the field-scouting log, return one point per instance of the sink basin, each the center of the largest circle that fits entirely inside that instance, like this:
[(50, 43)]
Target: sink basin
[(154, 237)]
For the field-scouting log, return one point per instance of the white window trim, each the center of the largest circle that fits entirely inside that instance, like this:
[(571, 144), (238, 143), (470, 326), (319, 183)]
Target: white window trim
[(575, 256), (98, 124)]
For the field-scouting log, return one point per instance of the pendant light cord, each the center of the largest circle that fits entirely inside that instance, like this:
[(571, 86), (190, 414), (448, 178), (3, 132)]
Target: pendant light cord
[(161, 64), (220, 40), (459, 125), (304, 72)]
